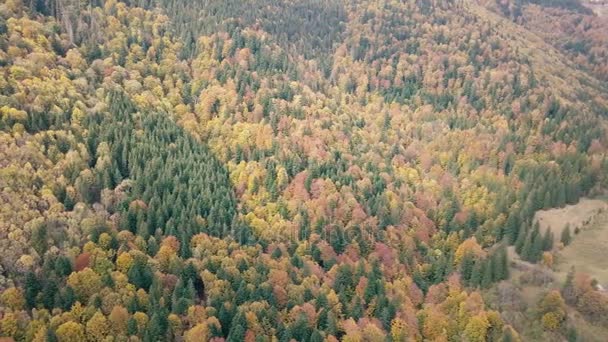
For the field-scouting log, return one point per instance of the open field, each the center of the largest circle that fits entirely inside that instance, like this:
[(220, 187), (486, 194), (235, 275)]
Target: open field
[(600, 8), (587, 252), (576, 215)]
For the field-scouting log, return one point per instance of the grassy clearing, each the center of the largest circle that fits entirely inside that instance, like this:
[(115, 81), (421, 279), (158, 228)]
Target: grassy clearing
[(587, 253), (578, 215)]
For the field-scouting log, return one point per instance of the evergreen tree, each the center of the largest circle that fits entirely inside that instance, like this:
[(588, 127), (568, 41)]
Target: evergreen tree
[(316, 336), (357, 309), (140, 274), (547, 240), (513, 228), (521, 239), (32, 288), (566, 236), (132, 327), (466, 268), (477, 273), (572, 335), (537, 248), (237, 328), (488, 275), (526, 250)]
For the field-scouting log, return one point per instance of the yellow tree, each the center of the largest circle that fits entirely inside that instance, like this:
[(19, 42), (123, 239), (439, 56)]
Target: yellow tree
[(13, 298), (97, 327), (85, 283), (71, 332)]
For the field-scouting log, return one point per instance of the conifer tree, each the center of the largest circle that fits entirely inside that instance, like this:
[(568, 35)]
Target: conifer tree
[(566, 236), (466, 268), (477, 273), (488, 275), (548, 240)]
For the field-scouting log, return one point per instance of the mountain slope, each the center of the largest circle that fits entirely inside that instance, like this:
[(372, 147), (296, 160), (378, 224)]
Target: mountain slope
[(282, 170)]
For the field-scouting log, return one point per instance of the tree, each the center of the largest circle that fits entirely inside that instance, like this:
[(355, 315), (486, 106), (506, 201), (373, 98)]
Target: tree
[(13, 299), (71, 332), (477, 273), (568, 291), (9, 325), (547, 240), (198, 333), (477, 328), (140, 274), (118, 319), (488, 275), (32, 287), (98, 327), (509, 335), (466, 267), (566, 236), (553, 310), (85, 283)]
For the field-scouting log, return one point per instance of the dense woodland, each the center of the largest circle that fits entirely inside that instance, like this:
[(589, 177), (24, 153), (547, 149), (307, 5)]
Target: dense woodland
[(290, 170)]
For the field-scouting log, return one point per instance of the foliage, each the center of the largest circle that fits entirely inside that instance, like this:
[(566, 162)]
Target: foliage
[(277, 170)]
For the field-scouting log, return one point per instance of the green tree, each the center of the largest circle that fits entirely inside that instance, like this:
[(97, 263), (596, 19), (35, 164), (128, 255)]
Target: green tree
[(566, 236)]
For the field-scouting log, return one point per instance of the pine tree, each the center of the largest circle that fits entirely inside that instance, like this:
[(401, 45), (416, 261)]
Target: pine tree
[(237, 328), (316, 336), (466, 268), (504, 264), (547, 240), (572, 335), (357, 310), (68, 298), (132, 327), (487, 277), (568, 291), (521, 239), (537, 249), (477, 273), (497, 266), (32, 287), (507, 335), (566, 237), (526, 250)]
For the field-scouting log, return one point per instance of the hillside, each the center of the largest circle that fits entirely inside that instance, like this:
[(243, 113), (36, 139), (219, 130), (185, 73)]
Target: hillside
[(288, 170)]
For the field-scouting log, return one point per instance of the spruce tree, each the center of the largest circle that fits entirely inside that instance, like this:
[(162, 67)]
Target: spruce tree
[(537, 249), (547, 240), (504, 264), (497, 267), (316, 336), (466, 268), (566, 236), (526, 250), (477, 273), (132, 327), (32, 287), (488, 276), (237, 328), (521, 239)]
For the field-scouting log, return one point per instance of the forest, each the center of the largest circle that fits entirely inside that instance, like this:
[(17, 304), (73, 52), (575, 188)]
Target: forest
[(281, 170)]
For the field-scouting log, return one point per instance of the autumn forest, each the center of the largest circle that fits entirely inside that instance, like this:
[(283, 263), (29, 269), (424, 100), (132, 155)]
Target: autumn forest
[(297, 170)]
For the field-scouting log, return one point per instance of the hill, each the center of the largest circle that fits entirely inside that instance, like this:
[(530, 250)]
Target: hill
[(310, 170)]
